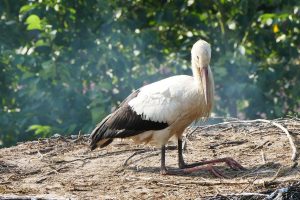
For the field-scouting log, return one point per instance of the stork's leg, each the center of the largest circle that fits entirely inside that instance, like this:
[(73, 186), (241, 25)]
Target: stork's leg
[(181, 162), (164, 171), (229, 161)]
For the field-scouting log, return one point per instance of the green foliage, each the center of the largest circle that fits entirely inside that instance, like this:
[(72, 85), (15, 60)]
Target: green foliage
[(65, 64), (33, 22), (40, 130)]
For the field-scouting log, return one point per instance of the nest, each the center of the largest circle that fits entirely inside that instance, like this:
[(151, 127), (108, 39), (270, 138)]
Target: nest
[(63, 167)]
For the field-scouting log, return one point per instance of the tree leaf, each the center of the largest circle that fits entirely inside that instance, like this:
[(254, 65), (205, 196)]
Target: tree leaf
[(33, 22)]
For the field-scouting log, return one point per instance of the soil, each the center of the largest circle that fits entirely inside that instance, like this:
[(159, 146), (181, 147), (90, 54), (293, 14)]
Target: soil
[(65, 168)]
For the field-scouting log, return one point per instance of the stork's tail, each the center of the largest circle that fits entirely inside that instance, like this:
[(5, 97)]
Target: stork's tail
[(97, 134)]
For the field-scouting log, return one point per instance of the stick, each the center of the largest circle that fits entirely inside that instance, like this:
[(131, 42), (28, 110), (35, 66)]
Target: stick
[(247, 186), (229, 143), (263, 157), (276, 175), (21, 198), (247, 194), (134, 154), (291, 140), (5, 183), (260, 146), (170, 185), (155, 151)]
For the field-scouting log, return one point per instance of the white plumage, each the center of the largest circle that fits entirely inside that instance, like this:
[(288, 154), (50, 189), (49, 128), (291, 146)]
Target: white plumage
[(177, 100), (165, 100)]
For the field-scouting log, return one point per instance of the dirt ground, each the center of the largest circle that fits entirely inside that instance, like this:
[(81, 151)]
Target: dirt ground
[(64, 167)]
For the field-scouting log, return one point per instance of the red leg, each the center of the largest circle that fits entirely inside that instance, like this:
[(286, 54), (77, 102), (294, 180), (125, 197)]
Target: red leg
[(209, 168), (228, 160), (186, 170)]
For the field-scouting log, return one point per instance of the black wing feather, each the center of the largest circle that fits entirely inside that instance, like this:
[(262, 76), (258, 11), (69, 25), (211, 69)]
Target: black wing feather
[(122, 123)]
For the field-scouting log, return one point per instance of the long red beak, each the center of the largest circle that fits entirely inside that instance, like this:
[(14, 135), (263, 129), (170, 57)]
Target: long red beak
[(205, 82)]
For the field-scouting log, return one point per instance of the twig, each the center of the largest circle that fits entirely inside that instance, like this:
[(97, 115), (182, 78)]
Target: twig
[(247, 186), (277, 193), (170, 185), (79, 137), (41, 180), (226, 129), (238, 142), (40, 155), (260, 146), (134, 154), (79, 189), (247, 194), (276, 175), (8, 197), (32, 173), (211, 182), (291, 140), (5, 183), (263, 157), (192, 132), (155, 151)]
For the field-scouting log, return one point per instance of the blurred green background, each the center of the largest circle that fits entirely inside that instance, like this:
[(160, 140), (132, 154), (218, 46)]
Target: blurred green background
[(65, 64)]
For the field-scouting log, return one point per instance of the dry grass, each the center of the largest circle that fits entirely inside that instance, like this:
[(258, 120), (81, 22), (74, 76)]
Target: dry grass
[(62, 168)]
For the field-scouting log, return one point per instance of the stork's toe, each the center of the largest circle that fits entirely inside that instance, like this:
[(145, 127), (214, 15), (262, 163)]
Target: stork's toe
[(233, 164)]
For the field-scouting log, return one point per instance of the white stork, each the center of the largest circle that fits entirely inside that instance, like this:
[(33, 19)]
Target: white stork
[(156, 112)]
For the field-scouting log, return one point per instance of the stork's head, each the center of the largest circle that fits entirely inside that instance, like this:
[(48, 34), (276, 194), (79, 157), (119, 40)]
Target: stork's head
[(201, 53)]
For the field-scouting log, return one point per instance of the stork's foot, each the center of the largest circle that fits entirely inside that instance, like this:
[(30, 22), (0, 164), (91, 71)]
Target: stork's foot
[(189, 170), (228, 161), (233, 164)]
